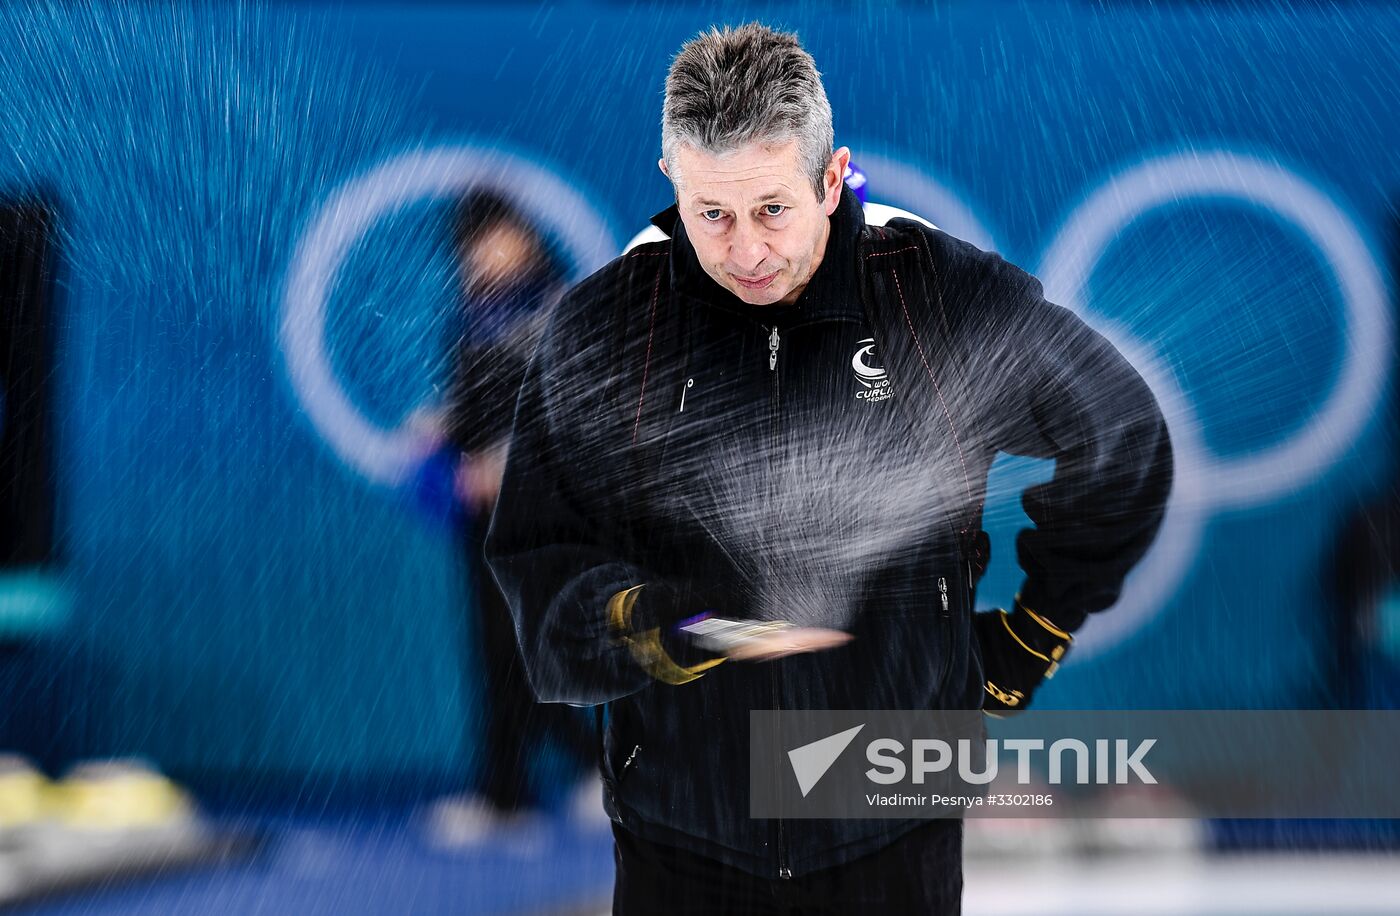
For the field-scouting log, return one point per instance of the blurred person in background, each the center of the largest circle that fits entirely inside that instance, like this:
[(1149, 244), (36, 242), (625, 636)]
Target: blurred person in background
[(509, 280), (1363, 575)]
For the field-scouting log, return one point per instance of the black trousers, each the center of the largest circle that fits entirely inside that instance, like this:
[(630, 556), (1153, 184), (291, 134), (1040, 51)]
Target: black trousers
[(515, 723), (919, 873)]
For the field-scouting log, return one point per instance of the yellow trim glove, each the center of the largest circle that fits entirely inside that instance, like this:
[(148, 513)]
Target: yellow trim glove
[(1020, 649)]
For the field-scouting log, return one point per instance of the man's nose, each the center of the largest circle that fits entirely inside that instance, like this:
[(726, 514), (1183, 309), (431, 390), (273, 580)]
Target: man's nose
[(749, 248)]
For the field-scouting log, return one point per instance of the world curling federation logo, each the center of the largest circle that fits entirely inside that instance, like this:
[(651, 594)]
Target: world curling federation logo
[(874, 380)]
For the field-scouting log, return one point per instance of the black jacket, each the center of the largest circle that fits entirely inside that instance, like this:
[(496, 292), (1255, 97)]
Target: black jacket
[(756, 461)]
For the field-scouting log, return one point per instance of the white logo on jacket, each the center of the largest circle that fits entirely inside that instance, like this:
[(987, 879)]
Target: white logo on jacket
[(874, 380)]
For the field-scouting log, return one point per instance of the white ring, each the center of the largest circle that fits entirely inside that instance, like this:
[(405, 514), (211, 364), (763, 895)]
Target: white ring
[(389, 456), (1286, 467)]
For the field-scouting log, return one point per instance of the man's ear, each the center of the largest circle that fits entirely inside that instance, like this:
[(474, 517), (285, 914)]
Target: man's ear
[(676, 192), (835, 178)]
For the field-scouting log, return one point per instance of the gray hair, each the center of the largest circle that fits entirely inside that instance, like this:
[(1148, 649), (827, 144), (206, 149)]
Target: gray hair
[(732, 87)]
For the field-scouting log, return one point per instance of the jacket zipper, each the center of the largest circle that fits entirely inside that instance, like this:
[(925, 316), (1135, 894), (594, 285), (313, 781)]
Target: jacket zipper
[(946, 619), (774, 343)]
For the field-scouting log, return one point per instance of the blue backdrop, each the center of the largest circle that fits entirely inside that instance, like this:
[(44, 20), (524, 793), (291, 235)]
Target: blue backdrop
[(257, 290)]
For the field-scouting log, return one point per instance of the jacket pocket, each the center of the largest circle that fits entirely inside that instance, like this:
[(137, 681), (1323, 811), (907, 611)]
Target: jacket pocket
[(951, 608)]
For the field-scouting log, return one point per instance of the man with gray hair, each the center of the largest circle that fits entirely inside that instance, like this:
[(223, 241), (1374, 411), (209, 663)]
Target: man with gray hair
[(747, 473)]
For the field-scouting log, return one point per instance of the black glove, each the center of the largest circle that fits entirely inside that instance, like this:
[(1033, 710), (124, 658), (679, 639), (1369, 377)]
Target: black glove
[(1019, 650)]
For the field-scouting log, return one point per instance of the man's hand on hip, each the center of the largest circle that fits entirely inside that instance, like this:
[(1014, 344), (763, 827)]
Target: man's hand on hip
[(1020, 649)]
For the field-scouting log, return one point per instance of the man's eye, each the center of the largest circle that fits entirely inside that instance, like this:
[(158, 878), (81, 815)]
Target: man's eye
[(773, 209), (713, 216)]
